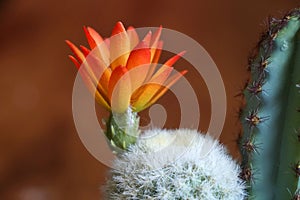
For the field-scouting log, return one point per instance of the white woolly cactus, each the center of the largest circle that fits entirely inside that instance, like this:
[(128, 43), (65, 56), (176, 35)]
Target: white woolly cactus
[(170, 164)]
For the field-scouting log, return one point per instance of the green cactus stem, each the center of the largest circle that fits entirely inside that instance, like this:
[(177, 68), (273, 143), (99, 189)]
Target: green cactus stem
[(122, 129), (271, 119)]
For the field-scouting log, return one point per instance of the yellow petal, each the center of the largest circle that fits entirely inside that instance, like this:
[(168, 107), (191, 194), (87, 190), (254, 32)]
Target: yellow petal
[(164, 89), (143, 95)]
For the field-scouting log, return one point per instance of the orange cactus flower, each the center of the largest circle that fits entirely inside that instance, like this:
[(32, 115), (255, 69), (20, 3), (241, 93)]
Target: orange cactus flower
[(121, 70)]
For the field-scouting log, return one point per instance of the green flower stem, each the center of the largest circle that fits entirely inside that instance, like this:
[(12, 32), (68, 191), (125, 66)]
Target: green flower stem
[(122, 129)]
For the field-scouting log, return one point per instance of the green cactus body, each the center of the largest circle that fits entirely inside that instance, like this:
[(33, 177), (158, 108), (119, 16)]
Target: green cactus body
[(270, 144)]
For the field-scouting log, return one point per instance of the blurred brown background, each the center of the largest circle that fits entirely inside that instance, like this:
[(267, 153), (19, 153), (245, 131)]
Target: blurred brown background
[(41, 156)]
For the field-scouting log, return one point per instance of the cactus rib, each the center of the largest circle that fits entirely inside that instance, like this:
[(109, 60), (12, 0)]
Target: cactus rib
[(271, 115)]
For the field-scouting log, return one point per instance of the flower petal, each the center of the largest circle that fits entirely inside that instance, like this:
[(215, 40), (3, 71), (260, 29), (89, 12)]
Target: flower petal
[(147, 38), (92, 36), (163, 73), (155, 42), (119, 46), (78, 54), (143, 95), (133, 37), (84, 50), (85, 65), (101, 72), (154, 61), (74, 60), (172, 60), (97, 44), (119, 90), (92, 88), (164, 89), (138, 63), (155, 38)]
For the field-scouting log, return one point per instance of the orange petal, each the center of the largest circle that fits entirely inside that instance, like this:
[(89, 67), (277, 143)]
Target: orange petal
[(97, 44), (164, 89), (119, 90), (78, 54), (92, 88), (101, 72), (155, 38), (143, 95), (172, 60), (139, 56), (155, 42), (93, 37), (83, 64), (147, 38), (133, 37), (85, 50), (77, 64), (154, 61), (162, 73), (119, 46), (138, 63)]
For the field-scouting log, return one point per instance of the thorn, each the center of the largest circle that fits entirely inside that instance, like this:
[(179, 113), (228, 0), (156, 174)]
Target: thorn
[(255, 88), (246, 174), (297, 132), (296, 169), (253, 119), (250, 146), (296, 195)]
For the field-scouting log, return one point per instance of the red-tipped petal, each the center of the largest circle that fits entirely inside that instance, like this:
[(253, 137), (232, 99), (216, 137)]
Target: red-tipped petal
[(78, 54), (119, 46), (85, 50), (93, 89), (171, 81), (163, 73), (119, 90), (101, 72), (155, 38), (77, 64), (154, 60), (138, 63), (147, 38), (96, 41), (172, 60), (139, 56), (155, 42), (133, 37), (92, 36), (119, 28), (143, 95)]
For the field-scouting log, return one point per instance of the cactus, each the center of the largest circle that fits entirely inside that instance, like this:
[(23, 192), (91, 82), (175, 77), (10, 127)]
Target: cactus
[(270, 144), (168, 165)]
